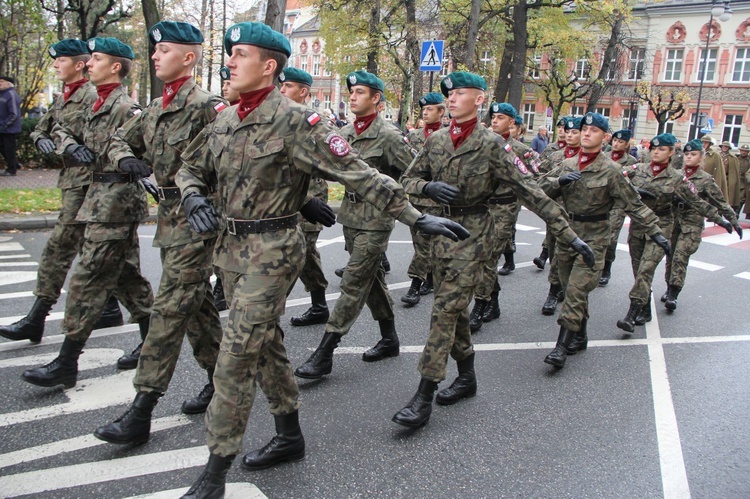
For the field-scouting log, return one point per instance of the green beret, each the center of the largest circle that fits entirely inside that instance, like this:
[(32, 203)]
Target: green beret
[(625, 135), (572, 123), (518, 120), (110, 46), (503, 108), (595, 119), (258, 34), (693, 145), (224, 73), (561, 121), (68, 48), (296, 75), (431, 99), (175, 32), (366, 79), (462, 79), (664, 139)]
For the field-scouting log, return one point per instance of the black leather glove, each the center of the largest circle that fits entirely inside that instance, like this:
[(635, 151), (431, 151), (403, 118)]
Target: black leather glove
[(438, 226), (726, 226), (151, 189), (441, 192), (81, 153), (200, 213), (569, 178), (662, 241), (738, 229), (317, 212), (645, 194), (45, 146), (135, 167), (581, 247)]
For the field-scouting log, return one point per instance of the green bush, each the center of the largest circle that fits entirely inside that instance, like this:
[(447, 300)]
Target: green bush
[(27, 152)]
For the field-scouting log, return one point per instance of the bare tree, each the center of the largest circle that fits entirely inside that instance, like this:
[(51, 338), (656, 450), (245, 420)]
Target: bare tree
[(559, 86), (152, 16), (91, 17), (275, 13)]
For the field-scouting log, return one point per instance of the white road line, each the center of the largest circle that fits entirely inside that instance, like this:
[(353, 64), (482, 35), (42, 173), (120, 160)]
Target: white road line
[(242, 490), (93, 358), (325, 242), (19, 264), (54, 316), (8, 257), (12, 246), (743, 275), (724, 239), (20, 294), (74, 444), (704, 266), (673, 474), (525, 228), (10, 277)]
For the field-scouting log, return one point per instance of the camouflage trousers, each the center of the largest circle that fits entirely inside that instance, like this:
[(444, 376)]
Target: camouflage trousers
[(504, 218), (685, 241), (455, 281), (421, 262), (645, 256), (109, 264), (184, 305), (363, 280), (252, 344), (578, 280), (616, 221), (312, 273), (62, 246), (550, 242)]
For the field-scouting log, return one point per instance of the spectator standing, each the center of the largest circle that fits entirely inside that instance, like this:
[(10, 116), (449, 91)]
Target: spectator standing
[(541, 141), (10, 123)]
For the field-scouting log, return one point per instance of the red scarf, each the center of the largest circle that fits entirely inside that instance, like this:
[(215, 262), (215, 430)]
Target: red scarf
[(70, 88), (171, 89), (561, 144), (571, 151), (616, 155), (430, 127), (234, 102), (250, 100), (362, 123), (657, 168), (506, 136), (104, 91), (585, 159), (459, 131), (689, 172)]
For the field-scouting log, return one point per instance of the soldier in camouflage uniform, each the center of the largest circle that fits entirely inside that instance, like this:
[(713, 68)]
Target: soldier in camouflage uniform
[(65, 241), (689, 224), (184, 304), (590, 185), (420, 268), (114, 205), (678, 158), (366, 231), (461, 168), (619, 154), (657, 183), (263, 153)]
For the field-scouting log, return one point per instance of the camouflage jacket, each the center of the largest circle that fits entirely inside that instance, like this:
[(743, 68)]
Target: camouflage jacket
[(546, 156), (416, 140), (626, 160), (530, 161), (707, 189), (480, 164), (263, 165), (110, 202), (159, 137), (70, 115), (678, 160), (667, 185), (382, 147)]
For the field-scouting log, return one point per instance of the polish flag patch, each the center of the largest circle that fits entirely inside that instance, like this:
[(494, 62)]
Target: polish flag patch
[(220, 107), (507, 147), (313, 119)]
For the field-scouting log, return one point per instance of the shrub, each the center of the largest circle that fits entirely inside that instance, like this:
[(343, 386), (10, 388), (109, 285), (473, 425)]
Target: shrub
[(27, 152)]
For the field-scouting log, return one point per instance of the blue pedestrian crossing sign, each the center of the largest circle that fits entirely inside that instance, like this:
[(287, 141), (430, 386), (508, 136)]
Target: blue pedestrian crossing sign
[(432, 55)]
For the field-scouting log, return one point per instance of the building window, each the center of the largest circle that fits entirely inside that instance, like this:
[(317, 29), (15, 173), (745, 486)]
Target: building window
[(316, 65), (637, 60), (582, 69), (485, 59), (741, 73), (626, 118), (604, 111), (528, 116), (327, 101), (303, 63), (535, 65), (665, 127), (576, 110), (732, 128), (673, 67), (327, 70), (710, 64)]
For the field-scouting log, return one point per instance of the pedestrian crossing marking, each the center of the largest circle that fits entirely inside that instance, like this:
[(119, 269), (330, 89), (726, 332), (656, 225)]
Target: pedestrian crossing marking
[(11, 246), (242, 490), (743, 275)]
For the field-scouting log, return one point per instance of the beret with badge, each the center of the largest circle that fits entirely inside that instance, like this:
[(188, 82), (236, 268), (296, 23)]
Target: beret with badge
[(503, 108), (595, 119), (572, 123), (69, 47), (225, 73), (431, 99), (625, 135), (518, 120), (296, 75), (257, 34), (462, 79), (110, 46), (664, 139), (693, 145), (365, 79), (561, 121), (175, 32)]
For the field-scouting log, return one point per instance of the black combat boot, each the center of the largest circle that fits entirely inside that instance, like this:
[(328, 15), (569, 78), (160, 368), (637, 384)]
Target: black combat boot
[(30, 327), (492, 311), (130, 360), (541, 260), (385, 263), (418, 411), (111, 315), (388, 346), (550, 304), (476, 318), (320, 362), (412, 296), (628, 323), (317, 314), (644, 315), (199, 403), (672, 293), (509, 265), (665, 295), (339, 272), (134, 426), (220, 301), (558, 356), (287, 446), (606, 273), (61, 371), (581, 340), (212, 482), (463, 387), (427, 286)]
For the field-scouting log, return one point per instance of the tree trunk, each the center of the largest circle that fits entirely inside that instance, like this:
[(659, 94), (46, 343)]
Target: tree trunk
[(503, 75), (611, 52), (374, 35), (275, 13), (472, 34), (412, 47), (520, 41), (210, 49), (151, 16)]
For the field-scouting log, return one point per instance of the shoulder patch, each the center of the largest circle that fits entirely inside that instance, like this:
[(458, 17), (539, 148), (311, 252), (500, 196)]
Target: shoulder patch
[(507, 147), (220, 107), (136, 112), (337, 145), (519, 164), (313, 119), (406, 139)]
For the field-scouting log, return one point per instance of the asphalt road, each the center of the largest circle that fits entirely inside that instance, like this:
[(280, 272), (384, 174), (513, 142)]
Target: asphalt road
[(661, 413)]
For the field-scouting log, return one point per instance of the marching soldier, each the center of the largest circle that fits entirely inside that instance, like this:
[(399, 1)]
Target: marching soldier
[(734, 179), (678, 158), (559, 144), (263, 153), (184, 304), (230, 95), (713, 165), (461, 167), (65, 241), (112, 209)]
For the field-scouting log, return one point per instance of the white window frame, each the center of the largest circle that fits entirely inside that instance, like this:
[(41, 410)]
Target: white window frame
[(327, 101), (582, 68), (713, 55), (303, 63), (626, 117), (636, 63), (536, 65), (486, 58), (576, 111), (743, 63), (674, 72), (604, 111), (529, 111), (316, 65), (732, 128)]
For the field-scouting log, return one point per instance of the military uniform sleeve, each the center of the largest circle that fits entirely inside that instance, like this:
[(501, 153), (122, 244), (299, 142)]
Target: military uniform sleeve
[(716, 198), (44, 126), (629, 200), (63, 137), (686, 191), (128, 140), (418, 175), (401, 153), (198, 163)]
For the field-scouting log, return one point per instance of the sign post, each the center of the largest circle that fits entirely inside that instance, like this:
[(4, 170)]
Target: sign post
[(432, 57)]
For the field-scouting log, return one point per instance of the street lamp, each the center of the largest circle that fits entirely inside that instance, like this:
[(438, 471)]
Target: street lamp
[(724, 13)]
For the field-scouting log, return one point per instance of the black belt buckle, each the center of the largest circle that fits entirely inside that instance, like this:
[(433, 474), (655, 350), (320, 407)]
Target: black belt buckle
[(231, 227), (257, 226), (572, 216), (351, 196), (160, 193), (447, 210)]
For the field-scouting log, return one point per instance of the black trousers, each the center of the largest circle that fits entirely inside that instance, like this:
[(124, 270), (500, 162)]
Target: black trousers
[(8, 150)]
